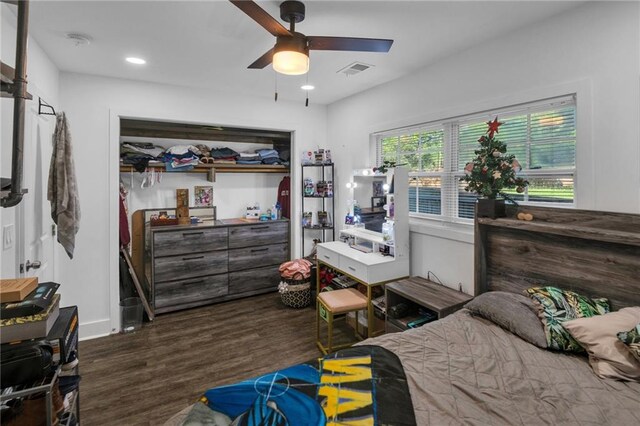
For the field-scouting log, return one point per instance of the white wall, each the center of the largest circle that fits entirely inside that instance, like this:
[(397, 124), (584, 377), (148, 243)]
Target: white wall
[(593, 50), (42, 80), (93, 106)]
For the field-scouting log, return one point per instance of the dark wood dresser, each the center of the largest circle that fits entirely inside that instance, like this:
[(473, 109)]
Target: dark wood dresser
[(193, 265)]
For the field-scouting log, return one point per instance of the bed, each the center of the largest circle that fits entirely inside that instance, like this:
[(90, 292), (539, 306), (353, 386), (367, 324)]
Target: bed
[(465, 369)]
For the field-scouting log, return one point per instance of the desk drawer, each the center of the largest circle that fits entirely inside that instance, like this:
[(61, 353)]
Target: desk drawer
[(254, 257), (258, 234), (329, 257), (169, 243), (188, 291), (189, 265), (354, 268)]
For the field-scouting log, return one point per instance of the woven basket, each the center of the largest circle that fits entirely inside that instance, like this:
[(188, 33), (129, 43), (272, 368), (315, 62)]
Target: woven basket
[(296, 292)]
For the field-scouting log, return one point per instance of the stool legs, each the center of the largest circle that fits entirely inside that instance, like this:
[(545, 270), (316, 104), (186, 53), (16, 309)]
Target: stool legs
[(330, 340), (330, 329), (318, 322)]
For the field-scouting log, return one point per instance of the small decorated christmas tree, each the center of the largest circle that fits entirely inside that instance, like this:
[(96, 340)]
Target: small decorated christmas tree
[(493, 170)]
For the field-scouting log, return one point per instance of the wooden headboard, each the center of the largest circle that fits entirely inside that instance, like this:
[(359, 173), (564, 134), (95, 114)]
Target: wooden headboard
[(589, 252)]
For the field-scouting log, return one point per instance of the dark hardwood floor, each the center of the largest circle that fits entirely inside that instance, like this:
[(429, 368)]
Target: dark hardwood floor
[(146, 377)]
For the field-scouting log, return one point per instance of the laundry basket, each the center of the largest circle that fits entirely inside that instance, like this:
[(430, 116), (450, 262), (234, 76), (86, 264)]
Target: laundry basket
[(295, 292)]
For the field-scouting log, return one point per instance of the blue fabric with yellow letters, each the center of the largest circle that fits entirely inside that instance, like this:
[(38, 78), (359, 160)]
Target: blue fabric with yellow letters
[(363, 385)]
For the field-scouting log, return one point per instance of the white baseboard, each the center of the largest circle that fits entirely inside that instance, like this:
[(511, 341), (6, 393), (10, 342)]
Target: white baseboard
[(95, 329)]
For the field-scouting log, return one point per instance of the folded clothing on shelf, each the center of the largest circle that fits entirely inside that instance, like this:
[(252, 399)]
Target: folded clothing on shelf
[(182, 150), (249, 156), (181, 158), (271, 160), (145, 148), (269, 156), (138, 154), (224, 153), (267, 153)]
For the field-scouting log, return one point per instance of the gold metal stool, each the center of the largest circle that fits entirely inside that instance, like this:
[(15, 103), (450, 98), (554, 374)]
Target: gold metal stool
[(337, 302)]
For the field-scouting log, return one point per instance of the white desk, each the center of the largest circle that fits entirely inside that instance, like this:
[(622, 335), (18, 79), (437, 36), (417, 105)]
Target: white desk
[(370, 269)]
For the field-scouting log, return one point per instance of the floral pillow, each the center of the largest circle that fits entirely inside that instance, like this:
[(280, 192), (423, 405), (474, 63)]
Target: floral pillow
[(556, 306), (631, 339)]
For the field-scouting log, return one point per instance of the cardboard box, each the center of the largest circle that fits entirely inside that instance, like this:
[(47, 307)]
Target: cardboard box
[(15, 290), (378, 324)]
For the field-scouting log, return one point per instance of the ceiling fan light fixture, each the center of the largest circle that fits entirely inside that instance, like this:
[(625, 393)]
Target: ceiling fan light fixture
[(291, 55)]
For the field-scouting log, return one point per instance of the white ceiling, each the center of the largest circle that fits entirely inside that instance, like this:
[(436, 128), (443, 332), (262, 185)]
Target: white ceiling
[(211, 43)]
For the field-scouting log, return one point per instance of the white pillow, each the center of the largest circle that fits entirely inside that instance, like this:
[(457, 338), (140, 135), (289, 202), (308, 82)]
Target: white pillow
[(608, 356)]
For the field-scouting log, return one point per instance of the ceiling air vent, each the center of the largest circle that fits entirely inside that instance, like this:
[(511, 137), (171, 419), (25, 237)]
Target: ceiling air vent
[(354, 68)]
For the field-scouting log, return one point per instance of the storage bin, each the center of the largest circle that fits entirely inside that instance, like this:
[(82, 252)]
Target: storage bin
[(295, 293), (131, 314)]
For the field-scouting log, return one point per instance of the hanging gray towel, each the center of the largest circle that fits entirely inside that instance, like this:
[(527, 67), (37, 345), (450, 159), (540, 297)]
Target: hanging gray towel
[(63, 187)]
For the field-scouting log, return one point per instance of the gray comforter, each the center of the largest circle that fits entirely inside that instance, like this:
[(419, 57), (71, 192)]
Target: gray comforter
[(467, 370)]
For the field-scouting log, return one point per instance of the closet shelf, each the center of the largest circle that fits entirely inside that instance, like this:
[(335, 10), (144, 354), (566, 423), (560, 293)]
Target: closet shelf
[(575, 230), (212, 169)]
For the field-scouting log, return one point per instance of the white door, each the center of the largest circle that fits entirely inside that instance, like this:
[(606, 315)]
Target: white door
[(35, 227)]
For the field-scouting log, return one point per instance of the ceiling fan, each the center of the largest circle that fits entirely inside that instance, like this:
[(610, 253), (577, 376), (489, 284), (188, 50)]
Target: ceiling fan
[(290, 55)]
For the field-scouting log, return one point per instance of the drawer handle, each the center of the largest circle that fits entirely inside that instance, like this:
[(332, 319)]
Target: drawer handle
[(326, 257), (260, 227), (190, 234), (352, 268), (193, 258), (194, 282), (262, 249)]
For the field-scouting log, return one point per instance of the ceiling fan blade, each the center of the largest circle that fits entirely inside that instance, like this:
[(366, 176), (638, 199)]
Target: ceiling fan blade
[(352, 44), (263, 60), (259, 15)]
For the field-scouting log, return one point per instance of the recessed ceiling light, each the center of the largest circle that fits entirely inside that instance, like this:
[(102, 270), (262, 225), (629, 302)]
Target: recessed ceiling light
[(137, 61), (307, 87)]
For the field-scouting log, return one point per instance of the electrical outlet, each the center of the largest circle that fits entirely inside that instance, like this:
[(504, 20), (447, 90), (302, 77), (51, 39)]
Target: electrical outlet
[(8, 236)]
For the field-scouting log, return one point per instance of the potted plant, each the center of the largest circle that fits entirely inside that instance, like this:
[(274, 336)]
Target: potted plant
[(491, 172)]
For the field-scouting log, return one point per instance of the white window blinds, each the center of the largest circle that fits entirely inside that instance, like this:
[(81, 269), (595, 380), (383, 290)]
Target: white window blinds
[(541, 134)]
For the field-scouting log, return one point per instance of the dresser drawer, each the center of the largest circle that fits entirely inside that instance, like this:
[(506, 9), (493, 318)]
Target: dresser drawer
[(189, 265), (254, 280), (354, 268), (329, 257), (258, 234), (169, 243), (192, 290), (254, 257)]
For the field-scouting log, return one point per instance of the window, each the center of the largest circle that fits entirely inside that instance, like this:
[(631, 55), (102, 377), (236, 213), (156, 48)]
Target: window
[(542, 135)]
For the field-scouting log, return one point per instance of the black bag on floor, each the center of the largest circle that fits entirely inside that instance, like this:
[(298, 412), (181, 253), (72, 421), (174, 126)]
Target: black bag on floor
[(24, 363)]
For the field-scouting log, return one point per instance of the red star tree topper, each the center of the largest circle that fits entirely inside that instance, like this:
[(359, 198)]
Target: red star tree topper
[(493, 126)]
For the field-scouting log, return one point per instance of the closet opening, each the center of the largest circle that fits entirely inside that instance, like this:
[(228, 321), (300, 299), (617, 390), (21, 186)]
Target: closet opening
[(204, 215)]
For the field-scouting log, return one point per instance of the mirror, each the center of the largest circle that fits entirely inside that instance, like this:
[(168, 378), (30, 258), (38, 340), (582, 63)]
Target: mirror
[(369, 198)]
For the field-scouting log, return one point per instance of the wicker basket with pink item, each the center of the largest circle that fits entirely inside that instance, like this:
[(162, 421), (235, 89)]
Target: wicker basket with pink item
[(295, 284)]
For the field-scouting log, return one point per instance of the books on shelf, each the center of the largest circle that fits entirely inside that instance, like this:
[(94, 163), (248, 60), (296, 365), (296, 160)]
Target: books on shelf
[(380, 303), (324, 219), (342, 281), (34, 303), (30, 326), (63, 336)]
